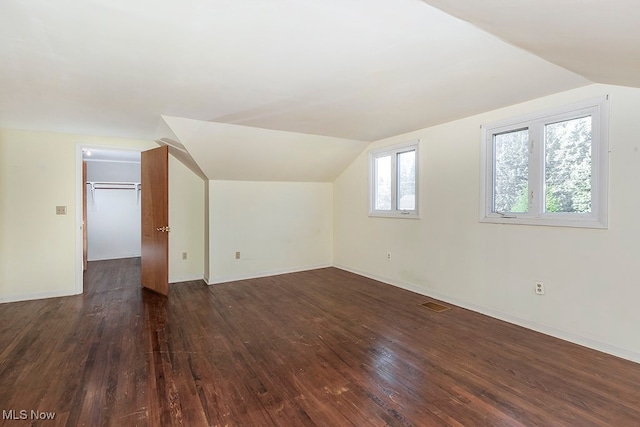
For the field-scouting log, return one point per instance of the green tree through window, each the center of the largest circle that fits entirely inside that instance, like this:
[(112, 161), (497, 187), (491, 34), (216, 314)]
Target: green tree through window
[(568, 166), (548, 168)]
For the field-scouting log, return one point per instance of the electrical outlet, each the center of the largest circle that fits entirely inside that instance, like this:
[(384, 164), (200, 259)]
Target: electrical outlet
[(388, 256), (61, 210), (184, 255), (238, 255), (539, 288)]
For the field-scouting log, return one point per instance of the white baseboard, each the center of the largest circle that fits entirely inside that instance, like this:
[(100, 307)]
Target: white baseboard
[(257, 275), (114, 257), (37, 295), (187, 278), (496, 314)]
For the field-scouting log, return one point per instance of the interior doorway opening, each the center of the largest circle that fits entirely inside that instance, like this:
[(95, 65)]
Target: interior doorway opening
[(108, 205)]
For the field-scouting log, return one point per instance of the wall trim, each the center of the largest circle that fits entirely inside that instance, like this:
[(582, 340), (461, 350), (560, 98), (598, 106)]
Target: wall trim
[(37, 296), (497, 314), (185, 278), (257, 275), (107, 258)]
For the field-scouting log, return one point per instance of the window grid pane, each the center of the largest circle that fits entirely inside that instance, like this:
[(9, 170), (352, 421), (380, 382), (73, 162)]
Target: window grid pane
[(383, 183), (511, 172), (406, 194), (567, 174)]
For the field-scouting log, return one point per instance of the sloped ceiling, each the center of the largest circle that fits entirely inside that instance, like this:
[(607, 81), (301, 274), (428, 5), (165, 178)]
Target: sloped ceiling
[(232, 152), (353, 70), (598, 39)]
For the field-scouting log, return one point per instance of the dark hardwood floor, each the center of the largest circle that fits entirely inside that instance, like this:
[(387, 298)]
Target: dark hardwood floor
[(322, 347)]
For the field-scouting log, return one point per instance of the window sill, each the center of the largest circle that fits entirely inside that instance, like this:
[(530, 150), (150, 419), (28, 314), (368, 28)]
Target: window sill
[(408, 215), (546, 221)]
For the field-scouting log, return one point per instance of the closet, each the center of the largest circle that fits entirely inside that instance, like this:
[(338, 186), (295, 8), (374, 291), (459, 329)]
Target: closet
[(113, 209)]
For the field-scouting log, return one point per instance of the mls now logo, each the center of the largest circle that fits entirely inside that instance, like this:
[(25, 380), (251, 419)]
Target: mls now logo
[(23, 414)]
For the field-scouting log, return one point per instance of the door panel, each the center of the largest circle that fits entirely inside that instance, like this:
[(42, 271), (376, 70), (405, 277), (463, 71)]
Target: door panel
[(84, 216), (155, 219)]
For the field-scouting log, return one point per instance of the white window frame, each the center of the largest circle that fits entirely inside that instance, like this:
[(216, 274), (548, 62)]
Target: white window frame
[(598, 109), (393, 151)]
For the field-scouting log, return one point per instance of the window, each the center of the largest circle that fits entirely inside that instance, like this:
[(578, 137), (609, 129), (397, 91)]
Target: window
[(394, 181), (547, 169)]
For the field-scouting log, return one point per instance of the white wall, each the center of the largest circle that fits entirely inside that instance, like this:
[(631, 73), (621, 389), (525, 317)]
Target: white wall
[(276, 226), (37, 247), (110, 171), (187, 222), (591, 276), (113, 215)]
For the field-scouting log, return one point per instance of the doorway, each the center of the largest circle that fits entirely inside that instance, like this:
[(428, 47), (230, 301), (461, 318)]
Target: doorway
[(112, 205)]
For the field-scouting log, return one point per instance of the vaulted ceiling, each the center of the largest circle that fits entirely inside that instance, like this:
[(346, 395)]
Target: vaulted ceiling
[(357, 70), (597, 39)]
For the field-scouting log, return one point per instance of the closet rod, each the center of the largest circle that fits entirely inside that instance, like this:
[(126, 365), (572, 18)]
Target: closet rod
[(96, 185)]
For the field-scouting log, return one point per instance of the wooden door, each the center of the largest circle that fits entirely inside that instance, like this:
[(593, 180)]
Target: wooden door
[(155, 219), (84, 216)]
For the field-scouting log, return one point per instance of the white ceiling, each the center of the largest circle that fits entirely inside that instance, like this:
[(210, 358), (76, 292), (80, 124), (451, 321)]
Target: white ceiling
[(232, 152), (110, 155), (351, 69), (598, 39)]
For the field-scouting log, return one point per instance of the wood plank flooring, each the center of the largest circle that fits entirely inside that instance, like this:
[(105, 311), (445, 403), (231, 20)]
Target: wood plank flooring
[(323, 348)]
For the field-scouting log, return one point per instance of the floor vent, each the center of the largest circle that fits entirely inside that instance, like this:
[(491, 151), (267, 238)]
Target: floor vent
[(435, 306)]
